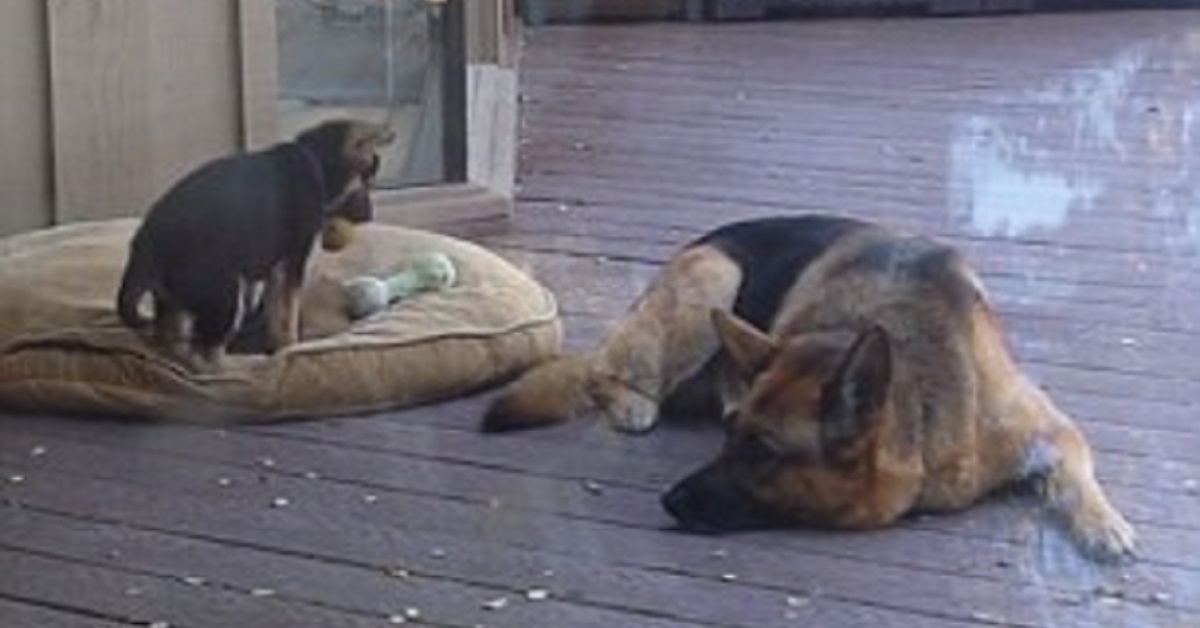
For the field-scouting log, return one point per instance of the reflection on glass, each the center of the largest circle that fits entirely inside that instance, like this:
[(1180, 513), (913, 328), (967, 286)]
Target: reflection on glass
[(378, 60)]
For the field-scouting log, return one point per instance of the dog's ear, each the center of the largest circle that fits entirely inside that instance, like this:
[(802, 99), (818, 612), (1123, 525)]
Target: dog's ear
[(364, 137), (382, 136), (368, 177), (325, 138), (749, 349), (353, 139), (360, 143), (852, 402)]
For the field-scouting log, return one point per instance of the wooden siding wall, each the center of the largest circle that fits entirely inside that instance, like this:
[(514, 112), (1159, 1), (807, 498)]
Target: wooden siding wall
[(107, 101), (140, 91), (25, 193)]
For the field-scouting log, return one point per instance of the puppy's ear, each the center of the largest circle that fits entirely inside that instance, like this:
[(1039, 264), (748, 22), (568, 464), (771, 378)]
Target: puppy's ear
[(368, 177), (749, 349), (853, 401), (360, 142), (382, 136), (365, 137), (325, 138)]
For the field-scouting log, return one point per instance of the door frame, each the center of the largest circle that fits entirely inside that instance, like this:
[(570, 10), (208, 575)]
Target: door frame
[(479, 152)]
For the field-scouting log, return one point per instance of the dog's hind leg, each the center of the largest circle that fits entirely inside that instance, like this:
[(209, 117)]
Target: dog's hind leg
[(281, 305), (171, 329), (665, 339), (217, 321)]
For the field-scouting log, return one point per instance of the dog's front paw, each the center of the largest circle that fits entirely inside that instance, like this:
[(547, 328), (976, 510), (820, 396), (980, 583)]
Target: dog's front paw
[(626, 408), (632, 413), (1104, 534)]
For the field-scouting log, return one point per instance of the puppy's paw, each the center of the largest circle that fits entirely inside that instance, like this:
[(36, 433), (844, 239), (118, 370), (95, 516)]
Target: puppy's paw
[(206, 362), (1104, 534)]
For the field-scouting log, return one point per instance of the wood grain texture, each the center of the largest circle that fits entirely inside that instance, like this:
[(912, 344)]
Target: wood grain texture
[(258, 54), (141, 91), (25, 157), (100, 96)]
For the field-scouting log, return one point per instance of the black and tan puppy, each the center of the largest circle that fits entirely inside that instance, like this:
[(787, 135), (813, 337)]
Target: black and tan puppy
[(861, 372), (239, 230)]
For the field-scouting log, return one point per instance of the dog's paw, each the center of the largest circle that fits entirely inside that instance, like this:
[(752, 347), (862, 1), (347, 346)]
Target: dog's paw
[(1105, 535), (624, 407), (632, 413), (205, 365)]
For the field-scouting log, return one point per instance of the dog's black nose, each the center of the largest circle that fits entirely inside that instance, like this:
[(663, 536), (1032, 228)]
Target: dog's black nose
[(709, 502), (686, 507), (682, 505)]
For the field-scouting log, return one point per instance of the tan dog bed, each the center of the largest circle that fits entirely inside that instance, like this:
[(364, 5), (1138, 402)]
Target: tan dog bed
[(62, 349)]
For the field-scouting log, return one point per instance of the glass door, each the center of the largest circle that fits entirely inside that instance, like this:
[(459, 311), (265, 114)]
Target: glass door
[(398, 62)]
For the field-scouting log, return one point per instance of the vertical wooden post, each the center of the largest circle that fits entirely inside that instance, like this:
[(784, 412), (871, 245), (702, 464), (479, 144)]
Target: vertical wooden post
[(452, 39), (26, 200), (258, 52)]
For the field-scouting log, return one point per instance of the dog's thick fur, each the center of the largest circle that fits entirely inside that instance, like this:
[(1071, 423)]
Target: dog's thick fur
[(238, 231), (862, 374)]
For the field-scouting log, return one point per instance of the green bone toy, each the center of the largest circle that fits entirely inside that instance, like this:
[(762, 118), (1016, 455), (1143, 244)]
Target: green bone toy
[(369, 295)]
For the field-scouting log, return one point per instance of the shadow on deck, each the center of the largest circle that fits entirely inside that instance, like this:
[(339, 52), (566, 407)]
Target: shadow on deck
[(1062, 153)]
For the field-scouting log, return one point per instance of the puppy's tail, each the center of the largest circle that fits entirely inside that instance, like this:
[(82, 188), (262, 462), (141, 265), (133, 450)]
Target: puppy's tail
[(138, 279), (553, 392)]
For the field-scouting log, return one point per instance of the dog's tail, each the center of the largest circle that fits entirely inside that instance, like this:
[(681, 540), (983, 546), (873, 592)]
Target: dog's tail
[(138, 279), (553, 392)]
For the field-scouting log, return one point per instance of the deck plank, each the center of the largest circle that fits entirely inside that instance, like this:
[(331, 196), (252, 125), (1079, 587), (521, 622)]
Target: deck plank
[(19, 613), (366, 535), (512, 551)]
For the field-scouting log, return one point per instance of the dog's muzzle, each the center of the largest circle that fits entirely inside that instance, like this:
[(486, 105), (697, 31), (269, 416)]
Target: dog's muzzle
[(710, 502)]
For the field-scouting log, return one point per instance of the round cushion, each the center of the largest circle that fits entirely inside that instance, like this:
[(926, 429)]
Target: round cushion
[(63, 350)]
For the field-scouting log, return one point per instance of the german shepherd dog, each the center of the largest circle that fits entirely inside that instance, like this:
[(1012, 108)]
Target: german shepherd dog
[(861, 373), (238, 231)]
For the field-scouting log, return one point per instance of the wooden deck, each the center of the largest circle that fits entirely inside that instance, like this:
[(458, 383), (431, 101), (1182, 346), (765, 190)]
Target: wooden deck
[(1062, 152)]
